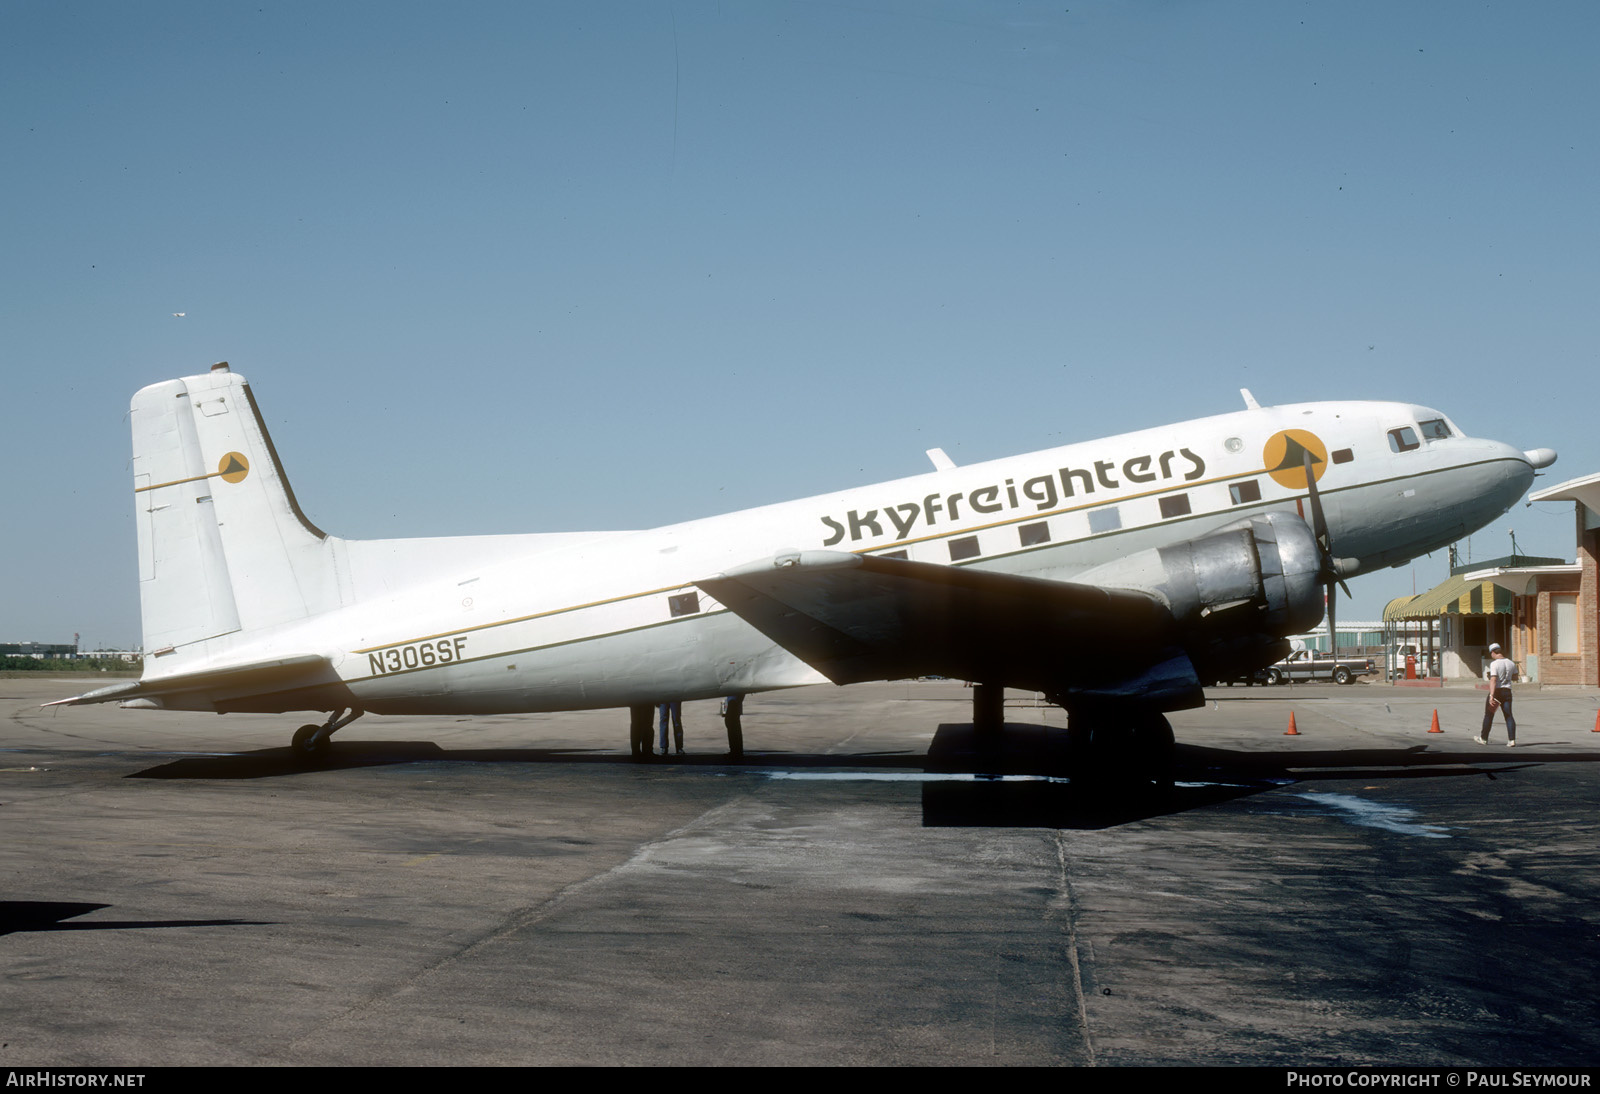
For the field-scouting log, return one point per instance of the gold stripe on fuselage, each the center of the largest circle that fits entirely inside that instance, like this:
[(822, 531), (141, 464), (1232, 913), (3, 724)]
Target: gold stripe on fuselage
[(895, 544)]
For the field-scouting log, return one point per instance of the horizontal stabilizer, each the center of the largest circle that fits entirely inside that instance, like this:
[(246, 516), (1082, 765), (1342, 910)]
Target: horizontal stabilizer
[(856, 618), (224, 688)]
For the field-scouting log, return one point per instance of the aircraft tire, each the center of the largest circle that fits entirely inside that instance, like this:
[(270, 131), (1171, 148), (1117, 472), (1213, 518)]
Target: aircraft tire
[(1103, 760), (1157, 751), (308, 751), (1135, 757)]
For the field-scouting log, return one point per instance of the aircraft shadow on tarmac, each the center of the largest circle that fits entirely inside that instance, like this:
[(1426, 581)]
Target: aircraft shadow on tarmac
[(1028, 776), (46, 915), (347, 755), (1032, 781)]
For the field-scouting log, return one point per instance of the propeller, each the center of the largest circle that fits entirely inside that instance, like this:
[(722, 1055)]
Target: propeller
[(1328, 565)]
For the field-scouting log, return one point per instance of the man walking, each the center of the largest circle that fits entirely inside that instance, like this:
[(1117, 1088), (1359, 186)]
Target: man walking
[(1500, 673)]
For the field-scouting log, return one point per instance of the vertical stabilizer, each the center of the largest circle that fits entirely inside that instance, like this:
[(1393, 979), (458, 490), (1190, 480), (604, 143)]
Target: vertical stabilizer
[(223, 546)]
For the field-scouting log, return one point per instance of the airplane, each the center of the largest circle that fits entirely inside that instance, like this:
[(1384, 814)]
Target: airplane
[(1116, 576)]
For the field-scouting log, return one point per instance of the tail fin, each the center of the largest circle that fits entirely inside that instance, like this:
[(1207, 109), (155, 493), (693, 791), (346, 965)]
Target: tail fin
[(223, 546)]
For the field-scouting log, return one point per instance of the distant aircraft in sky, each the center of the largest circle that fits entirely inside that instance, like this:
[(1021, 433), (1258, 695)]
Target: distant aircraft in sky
[(1116, 576), (179, 314)]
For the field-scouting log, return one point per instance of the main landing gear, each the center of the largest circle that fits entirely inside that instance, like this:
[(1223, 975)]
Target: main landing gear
[(1109, 749), (1124, 752), (311, 743)]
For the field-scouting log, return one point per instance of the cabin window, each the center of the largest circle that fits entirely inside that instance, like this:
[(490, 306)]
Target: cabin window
[(1342, 455), (1034, 534), (1403, 439), (1245, 492), (965, 547), (901, 555), (1434, 429), (683, 604), (1104, 520), (1175, 505)]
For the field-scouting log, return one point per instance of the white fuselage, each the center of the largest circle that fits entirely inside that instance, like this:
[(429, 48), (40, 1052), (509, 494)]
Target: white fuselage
[(540, 623)]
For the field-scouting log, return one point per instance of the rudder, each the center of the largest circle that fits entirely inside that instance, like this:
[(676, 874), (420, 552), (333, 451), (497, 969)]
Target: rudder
[(223, 546)]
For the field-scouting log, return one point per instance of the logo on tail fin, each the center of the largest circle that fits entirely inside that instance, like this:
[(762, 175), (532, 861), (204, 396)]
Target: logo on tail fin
[(233, 467)]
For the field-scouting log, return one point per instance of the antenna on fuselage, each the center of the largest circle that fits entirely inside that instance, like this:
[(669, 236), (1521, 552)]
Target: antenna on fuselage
[(1249, 399), (941, 462)]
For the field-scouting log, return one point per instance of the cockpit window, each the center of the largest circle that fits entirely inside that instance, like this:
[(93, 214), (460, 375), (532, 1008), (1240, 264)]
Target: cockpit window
[(1403, 439), (1434, 429)]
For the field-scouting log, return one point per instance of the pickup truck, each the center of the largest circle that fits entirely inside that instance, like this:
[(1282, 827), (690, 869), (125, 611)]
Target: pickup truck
[(1312, 665)]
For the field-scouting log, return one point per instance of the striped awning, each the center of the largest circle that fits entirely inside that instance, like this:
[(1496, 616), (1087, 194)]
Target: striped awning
[(1456, 596), (1395, 609)]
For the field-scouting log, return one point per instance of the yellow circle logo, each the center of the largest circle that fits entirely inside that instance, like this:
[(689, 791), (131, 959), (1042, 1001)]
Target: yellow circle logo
[(1285, 457), (233, 467)]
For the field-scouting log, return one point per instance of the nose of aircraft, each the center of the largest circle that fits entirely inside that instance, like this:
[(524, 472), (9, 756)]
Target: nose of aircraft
[(1502, 474), (1513, 472)]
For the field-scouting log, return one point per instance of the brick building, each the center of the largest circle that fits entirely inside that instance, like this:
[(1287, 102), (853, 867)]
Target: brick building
[(1555, 608)]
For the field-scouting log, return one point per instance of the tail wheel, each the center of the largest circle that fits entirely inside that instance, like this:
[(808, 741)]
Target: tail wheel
[(309, 747)]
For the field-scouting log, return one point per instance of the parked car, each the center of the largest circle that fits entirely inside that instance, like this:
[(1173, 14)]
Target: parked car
[(1313, 665)]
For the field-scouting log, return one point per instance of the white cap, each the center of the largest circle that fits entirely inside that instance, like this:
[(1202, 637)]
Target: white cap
[(1493, 646)]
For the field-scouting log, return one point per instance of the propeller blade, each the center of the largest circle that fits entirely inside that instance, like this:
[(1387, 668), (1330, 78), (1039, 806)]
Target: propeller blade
[(1328, 565), (1319, 522)]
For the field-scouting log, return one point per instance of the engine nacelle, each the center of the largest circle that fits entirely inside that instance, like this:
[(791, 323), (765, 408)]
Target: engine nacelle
[(1249, 584)]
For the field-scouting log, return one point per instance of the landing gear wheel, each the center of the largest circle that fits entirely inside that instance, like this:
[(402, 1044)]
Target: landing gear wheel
[(310, 744), (1128, 760), (1157, 751), (308, 748)]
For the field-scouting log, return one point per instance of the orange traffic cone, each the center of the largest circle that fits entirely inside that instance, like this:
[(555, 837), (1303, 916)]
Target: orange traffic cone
[(1435, 727), (1291, 731), (1596, 728)]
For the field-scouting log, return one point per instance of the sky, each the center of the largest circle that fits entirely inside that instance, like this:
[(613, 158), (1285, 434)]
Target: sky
[(516, 267)]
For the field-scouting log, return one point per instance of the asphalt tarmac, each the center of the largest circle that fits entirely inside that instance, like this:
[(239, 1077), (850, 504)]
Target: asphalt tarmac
[(513, 890)]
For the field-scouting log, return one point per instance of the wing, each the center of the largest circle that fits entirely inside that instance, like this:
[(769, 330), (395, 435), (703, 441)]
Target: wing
[(856, 618)]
